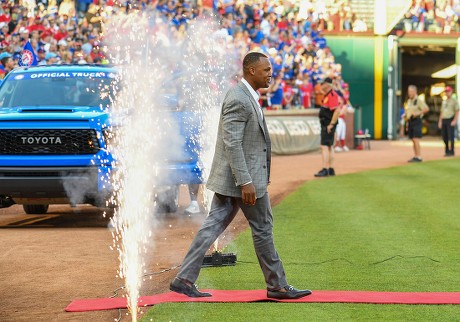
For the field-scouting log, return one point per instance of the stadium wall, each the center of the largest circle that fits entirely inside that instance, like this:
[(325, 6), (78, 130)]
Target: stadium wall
[(364, 61)]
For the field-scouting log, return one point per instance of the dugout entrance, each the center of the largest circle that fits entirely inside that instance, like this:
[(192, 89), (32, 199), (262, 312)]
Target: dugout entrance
[(430, 63)]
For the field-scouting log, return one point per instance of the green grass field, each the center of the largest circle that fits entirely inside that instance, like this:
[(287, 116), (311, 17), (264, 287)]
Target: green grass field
[(395, 229)]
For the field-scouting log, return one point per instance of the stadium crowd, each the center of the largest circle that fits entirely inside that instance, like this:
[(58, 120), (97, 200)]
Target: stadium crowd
[(291, 34), (440, 16)]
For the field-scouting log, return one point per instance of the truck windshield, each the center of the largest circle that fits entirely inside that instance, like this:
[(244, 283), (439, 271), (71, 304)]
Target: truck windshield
[(58, 89)]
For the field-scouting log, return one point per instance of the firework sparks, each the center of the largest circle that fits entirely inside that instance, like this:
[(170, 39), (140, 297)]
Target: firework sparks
[(158, 70)]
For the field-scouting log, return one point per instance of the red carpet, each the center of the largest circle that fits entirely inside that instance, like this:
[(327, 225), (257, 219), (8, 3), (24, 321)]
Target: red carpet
[(261, 295)]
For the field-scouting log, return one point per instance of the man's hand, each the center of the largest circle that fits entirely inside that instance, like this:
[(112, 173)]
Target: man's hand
[(329, 128), (439, 124), (453, 123), (248, 193)]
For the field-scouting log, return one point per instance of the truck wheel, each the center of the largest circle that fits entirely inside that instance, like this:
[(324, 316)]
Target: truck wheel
[(168, 201), (35, 209), (6, 201)]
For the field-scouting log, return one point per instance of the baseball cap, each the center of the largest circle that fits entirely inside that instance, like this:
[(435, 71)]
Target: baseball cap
[(5, 55), (448, 89), (62, 42), (50, 55), (327, 80)]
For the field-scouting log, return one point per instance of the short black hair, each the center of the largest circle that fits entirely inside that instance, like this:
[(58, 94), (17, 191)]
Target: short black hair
[(327, 80), (4, 60), (252, 58)]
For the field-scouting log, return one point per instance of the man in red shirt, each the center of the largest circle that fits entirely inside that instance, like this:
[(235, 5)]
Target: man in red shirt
[(288, 94), (328, 116), (306, 90), (61, 33), (37, 25)]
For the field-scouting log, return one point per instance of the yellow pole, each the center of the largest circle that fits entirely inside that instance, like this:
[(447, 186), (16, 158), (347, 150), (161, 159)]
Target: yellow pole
[(378, 86)]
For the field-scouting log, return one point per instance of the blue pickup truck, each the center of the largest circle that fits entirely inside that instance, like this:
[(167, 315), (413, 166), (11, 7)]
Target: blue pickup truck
[(54, 127)]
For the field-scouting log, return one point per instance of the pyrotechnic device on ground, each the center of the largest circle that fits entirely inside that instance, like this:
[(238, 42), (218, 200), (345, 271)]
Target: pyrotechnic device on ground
[(217, 259)]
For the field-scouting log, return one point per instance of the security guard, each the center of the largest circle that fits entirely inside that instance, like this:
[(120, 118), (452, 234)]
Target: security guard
[(448, 120), (415, 109)]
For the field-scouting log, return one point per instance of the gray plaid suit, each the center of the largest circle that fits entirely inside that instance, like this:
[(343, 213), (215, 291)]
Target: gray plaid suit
[(242, 155)]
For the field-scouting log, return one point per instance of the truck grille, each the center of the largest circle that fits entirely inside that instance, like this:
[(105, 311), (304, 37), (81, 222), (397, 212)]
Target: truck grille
[(36, 142)]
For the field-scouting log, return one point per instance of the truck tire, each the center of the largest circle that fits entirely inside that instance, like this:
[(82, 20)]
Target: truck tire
[(6, 201), (35, 209), (168, 201)]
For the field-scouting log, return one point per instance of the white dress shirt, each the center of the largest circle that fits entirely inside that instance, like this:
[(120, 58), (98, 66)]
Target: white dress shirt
[(256, 97)]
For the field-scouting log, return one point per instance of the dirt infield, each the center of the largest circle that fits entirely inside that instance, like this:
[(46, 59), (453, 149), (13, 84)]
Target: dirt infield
[(46, 261)]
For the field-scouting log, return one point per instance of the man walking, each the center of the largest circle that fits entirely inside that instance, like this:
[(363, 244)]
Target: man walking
[(239, 177), (328, 117), (415, 109), (448, 121)]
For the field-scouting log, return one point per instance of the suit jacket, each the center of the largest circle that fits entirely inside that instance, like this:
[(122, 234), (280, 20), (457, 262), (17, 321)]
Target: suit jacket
[(243, 147)]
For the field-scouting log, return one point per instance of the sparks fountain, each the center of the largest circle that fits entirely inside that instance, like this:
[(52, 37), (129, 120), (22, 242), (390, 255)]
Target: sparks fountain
[(159, 66)]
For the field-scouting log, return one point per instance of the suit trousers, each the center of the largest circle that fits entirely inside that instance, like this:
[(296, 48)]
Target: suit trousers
[(260, 218)]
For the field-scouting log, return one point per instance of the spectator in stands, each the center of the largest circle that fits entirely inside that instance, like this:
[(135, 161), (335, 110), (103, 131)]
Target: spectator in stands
[(347, 23), (448, 121), (41, 54), (288, 94), (306, 90), (93, 17), (358, 25), (51, 58), (61, 32), (67, 8), (415, 109), (83, 6), (293, 39), (276, 91), (6, 64), (432, 16)]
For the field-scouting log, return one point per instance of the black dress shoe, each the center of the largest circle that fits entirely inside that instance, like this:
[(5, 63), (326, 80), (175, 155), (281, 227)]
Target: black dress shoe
[(322, 173), (331, 172), (181, 286), (289, 293)]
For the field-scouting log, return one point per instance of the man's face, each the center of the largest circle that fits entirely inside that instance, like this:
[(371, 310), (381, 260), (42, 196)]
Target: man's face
[(262, 73), (411, 92), (449, 94), (9, 64)]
